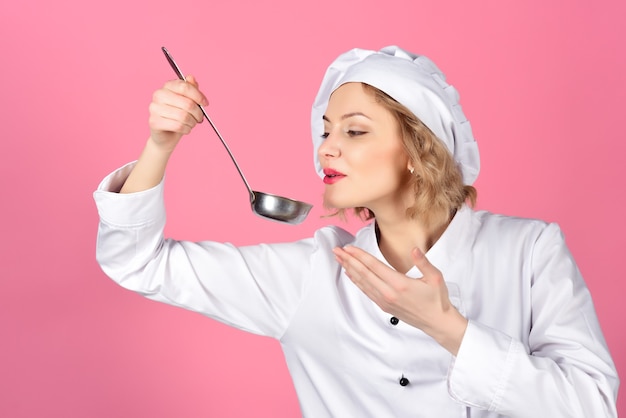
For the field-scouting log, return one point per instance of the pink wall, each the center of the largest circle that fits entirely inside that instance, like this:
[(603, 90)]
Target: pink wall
[(543, 83)]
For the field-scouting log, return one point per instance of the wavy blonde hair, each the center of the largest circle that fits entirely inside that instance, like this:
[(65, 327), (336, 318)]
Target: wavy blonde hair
[(436, 181)]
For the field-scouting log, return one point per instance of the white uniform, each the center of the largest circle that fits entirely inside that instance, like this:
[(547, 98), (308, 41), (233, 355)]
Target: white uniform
[(533, 346)]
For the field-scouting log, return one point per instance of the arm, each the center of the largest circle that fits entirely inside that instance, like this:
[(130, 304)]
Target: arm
[(255, 288), (252, 288), (566, 369)]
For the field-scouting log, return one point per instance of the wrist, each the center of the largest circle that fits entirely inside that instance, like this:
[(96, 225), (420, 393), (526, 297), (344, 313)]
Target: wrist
[(158, 149), (149, 169), (450, 330)]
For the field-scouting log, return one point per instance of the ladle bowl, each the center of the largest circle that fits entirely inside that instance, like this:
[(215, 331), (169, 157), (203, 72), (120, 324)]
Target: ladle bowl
[(277, 208), (269, 206)]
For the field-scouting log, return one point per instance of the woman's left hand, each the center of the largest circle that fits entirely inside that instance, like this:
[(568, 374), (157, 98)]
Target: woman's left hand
[(422, 303)]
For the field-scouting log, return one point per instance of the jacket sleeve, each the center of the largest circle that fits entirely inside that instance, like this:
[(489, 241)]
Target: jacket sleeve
[(255, 288), (564, 371)]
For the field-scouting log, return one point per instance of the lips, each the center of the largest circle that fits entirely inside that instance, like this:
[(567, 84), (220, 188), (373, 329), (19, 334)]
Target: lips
[(332, 176)]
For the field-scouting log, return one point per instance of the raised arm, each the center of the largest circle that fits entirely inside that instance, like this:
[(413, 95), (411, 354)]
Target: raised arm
[(255, 288)]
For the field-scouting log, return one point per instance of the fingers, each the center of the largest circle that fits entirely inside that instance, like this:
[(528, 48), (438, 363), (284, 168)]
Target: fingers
[(365, 278), (188, 89), (355, 260), (429, 271), (192, 80), (174, 107), (170, 119), (368, 260), (180, 95)]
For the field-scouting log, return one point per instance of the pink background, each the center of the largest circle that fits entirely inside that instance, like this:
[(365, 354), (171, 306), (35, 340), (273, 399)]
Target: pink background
[(542, 82)]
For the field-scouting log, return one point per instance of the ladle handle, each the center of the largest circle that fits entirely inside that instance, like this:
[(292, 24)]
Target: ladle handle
[(180, 75)]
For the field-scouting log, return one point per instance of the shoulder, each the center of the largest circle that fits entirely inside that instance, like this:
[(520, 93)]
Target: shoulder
[(489, 222), (532, 245), (507, 230), (332, 236)]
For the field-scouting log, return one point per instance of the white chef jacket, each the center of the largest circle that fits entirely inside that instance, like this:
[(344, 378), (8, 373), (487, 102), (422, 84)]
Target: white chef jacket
[(533, 346)]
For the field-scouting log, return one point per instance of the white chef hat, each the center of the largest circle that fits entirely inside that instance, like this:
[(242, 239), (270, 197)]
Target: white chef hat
[(415, 82)]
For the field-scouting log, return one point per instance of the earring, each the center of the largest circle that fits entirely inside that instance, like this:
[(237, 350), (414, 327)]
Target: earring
[(411, 170)]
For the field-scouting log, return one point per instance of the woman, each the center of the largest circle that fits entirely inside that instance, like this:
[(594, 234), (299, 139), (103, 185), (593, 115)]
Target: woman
[(431, 310)]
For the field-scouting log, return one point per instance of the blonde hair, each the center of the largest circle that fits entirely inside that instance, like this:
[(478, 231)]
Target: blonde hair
[(436, 181)]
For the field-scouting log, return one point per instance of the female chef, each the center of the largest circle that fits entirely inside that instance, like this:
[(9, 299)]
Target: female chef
[(432, 309)]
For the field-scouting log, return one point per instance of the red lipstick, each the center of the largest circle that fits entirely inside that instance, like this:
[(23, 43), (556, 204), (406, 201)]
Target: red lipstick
[(332, 176)]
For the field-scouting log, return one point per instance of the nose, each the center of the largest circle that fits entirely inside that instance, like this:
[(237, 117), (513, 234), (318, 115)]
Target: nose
[(329, 148)]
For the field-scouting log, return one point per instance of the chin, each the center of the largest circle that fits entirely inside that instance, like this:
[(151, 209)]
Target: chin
[(340, 204), (333, 204), (336, 200)]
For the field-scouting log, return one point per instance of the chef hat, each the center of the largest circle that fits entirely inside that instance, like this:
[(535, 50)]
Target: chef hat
[(415, 82)]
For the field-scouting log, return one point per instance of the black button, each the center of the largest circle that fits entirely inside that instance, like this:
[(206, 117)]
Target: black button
[(394, 320), (404, 381)]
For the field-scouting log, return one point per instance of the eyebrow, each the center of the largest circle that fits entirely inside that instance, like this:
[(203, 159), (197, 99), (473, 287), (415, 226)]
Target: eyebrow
[(348, 115)]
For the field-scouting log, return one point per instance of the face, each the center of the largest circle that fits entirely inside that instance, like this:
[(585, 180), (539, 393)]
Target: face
[(364, 161)]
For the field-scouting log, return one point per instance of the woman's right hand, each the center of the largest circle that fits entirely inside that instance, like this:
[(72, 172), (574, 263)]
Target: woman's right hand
[(174, 112)]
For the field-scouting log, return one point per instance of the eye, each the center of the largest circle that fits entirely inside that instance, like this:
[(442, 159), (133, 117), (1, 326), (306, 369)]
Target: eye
[(324, 135), (355, 133)]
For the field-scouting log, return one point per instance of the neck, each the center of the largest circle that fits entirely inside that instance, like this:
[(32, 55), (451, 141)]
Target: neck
[(398, 236)]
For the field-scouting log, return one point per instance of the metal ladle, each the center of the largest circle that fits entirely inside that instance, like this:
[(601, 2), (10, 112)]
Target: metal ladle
[(277, 208)]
